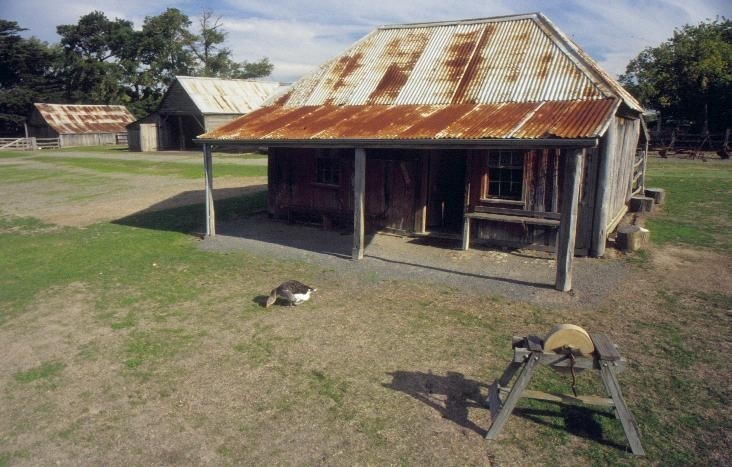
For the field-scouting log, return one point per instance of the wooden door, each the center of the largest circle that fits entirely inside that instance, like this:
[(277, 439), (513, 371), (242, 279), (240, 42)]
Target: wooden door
[(390, 193)]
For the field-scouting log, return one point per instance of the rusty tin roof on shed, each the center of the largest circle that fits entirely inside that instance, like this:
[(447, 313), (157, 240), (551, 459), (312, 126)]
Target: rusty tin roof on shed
[(227, 96), (79, 119), (504, 77)]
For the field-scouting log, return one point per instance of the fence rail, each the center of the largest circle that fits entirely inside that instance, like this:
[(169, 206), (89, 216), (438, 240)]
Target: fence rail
[(28, 144), (672, 139)]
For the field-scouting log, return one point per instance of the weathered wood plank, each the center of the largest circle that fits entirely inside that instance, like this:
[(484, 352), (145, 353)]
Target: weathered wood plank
[(607, 372), (568, 225), (510, 403), (563, 398), (604, 347), (518, 212), (560, 360), (513, 219), (602, 193), (359, 185), (208, 175)]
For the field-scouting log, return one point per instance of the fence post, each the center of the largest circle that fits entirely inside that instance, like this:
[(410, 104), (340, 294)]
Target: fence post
[(34, 143)]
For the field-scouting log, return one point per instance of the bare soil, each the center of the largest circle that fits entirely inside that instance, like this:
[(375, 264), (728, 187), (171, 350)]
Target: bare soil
[(112, 196)]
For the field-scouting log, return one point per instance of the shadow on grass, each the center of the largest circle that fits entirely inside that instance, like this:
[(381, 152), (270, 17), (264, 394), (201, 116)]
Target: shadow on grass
[(574, 419), (185, 212), (451, 395)]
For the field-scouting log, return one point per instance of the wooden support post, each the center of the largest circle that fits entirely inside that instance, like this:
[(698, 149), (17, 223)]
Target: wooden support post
[(513, 397), (208, 175), (641, 204), (568, 224), (359, 187), (658, 195), (602, 197), (466, 205), (466, 232), (181, 136), (632, 237), (607, 373)]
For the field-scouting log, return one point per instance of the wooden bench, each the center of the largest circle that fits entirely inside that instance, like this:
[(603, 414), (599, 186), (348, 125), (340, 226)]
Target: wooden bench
[(546, 219)]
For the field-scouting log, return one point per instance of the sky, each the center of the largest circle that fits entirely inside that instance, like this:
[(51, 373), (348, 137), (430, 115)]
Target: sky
[(297, 36)]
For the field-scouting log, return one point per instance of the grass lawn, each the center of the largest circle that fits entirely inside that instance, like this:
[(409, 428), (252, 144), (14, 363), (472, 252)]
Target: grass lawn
[(126, 342), (697, 211), (142, 167)]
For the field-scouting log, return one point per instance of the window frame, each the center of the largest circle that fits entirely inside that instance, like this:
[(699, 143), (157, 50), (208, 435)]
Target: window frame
[(485, 182), (335, 170)]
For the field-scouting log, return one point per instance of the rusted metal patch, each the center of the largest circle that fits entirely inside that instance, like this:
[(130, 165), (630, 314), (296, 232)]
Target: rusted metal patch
[(77, 119), (581, 119), (401, 54)]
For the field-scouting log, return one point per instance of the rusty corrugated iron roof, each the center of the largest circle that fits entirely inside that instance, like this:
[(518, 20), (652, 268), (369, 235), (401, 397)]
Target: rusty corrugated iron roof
[(505, 77), (527, 120), (520, 58), (227, 96), (78, 119)]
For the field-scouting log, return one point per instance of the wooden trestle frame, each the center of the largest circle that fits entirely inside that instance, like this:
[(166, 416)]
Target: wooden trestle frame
[(528, 353)]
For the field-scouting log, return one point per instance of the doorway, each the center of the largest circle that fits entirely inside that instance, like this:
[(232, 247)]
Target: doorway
[(445, 203)]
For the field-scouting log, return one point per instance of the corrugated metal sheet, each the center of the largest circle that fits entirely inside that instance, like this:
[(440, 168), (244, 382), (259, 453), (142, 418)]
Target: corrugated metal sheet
[(509, 59), (507, 77), (227, 96), (80, 119), (527, 120)]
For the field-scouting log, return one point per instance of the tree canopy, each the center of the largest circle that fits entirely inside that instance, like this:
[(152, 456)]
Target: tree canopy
[(27, 75), (689, 76), (103, 61)]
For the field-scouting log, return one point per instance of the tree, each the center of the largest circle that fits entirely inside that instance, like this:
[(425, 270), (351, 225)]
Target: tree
[(216, 60), (26, 76), (99, 58), (165, 47), (689, 76)]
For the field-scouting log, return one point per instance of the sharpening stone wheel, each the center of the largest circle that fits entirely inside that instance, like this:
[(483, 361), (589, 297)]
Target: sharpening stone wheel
[(569, 336)]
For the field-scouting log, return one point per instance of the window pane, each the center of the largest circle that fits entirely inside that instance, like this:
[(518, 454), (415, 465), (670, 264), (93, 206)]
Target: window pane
[(327, 171), (505, 174)]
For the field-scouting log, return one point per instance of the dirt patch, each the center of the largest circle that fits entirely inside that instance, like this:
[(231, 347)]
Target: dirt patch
[(84, 197), (685, 268)]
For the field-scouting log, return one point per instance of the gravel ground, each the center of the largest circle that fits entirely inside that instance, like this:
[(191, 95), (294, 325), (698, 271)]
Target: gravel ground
[(516, 274)]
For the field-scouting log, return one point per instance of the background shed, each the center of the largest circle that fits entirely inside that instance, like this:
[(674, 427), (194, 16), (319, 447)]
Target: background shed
[(193, 106), (80, 125)]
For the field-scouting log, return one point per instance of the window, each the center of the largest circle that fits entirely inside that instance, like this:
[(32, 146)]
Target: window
[(505, 175), (328, 171)]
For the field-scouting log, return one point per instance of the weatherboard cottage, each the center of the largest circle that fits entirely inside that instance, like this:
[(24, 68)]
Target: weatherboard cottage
[(498, 130)]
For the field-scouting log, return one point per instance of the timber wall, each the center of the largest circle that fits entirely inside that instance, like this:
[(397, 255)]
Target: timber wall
[(621, 169)]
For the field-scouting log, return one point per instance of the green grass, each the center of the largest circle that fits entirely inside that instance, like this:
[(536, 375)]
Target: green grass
[(45, 370), (158, 301), (142, 167), (13, 154), (149, 347), (95, 149), (151, 254), (698, 196)]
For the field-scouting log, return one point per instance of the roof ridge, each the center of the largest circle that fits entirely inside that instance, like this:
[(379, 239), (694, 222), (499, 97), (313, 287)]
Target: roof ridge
[(489, 19), (586, 63), (248, 80)]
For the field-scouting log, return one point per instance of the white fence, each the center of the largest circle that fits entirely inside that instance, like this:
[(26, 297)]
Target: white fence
[(28, 144)]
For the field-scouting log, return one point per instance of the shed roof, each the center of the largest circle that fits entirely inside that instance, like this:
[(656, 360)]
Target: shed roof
[(79, 119), (503, 77), (227, 96)]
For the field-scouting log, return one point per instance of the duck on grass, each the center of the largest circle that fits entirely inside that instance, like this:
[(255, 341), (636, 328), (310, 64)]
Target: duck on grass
[(292, 292)]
